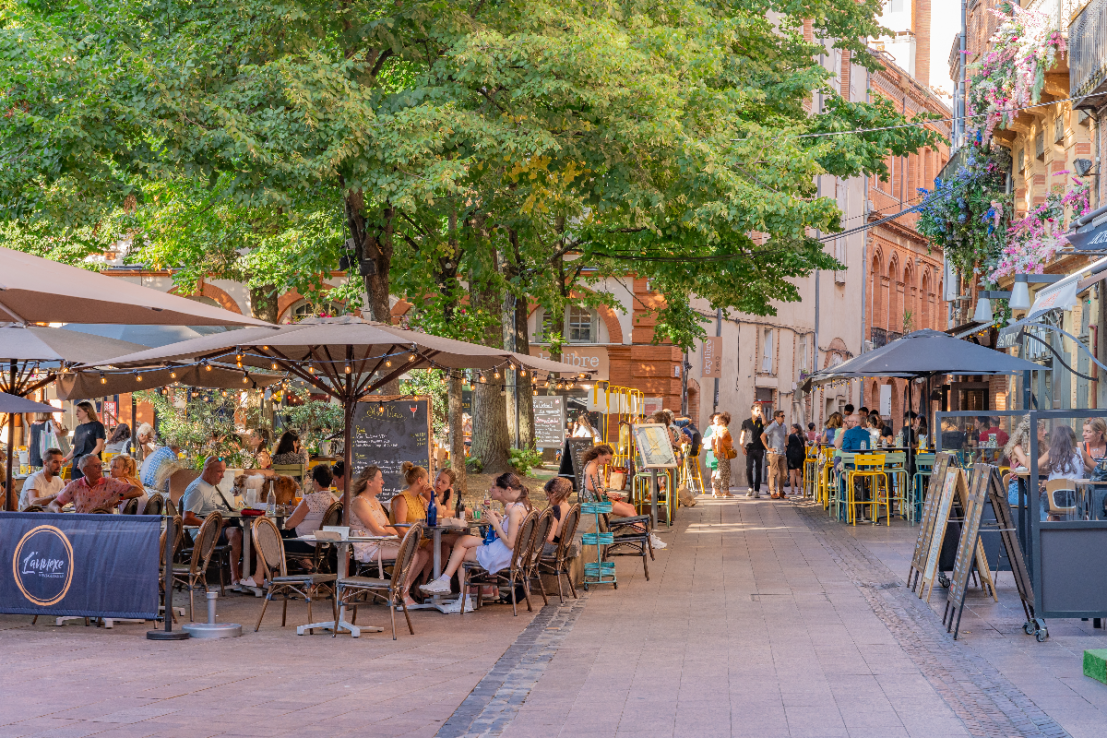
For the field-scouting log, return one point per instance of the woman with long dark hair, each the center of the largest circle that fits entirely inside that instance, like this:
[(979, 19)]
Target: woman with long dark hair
[(509, 489)]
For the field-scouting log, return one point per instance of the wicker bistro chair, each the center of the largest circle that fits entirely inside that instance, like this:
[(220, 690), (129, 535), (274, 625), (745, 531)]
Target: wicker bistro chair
[(34, 508), (558, 564), (308, 585), (325, 558), (155, 505), (472, 573), (389, 590), (541, 533), (193, 575)]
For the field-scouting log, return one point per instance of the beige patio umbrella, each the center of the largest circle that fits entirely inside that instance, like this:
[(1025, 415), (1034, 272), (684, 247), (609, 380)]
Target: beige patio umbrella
[(87, 385), (346, 358), (37, 290)]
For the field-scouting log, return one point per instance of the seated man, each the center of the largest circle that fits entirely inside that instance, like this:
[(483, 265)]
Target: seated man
[(94, 491), (168, 452), (203, 497), (858, 437), (44, 485)]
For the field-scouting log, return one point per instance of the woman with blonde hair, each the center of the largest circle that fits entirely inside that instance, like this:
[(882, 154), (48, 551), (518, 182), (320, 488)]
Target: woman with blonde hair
[(410, 506), (493, 557), (1094, 446), (124, 467)]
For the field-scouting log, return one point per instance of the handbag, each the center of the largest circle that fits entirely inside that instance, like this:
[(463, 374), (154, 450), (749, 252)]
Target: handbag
[(1099, 473), (687, 499), (618, 478)]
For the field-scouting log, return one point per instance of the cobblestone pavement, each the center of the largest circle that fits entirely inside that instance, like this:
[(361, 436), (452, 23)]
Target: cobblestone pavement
[(761, 619)]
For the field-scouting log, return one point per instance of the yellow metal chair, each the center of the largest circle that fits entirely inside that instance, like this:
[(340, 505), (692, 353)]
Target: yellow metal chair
[(870, 467)]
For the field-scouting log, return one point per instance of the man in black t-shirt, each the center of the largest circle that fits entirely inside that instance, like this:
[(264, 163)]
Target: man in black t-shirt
[(754, 449)]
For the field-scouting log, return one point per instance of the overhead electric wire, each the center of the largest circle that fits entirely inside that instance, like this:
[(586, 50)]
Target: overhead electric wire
[(920, 124)]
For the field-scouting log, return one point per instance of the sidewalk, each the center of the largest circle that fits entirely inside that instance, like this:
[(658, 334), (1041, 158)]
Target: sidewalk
[(762, 618)]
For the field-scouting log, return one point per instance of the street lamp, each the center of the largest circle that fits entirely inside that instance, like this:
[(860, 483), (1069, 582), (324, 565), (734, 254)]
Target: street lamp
[(983, 312), (1020, 293)]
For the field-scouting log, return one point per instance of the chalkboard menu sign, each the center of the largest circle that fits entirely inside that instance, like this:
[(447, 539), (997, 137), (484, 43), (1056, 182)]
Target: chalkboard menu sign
[(389, 431), (549, 421), (572, 460)]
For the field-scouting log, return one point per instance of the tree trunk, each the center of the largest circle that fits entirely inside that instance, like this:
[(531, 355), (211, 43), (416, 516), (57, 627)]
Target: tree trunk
[(490, 432), (372, 235), (263, 303), (457, 435), (511, 394), (526, 404)]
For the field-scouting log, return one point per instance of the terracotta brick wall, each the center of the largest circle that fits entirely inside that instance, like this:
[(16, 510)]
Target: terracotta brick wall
[(921, 25)]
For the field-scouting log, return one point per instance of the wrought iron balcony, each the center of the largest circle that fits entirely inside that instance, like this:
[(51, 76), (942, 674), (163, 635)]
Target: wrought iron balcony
[(1088, 49), (881, 337)]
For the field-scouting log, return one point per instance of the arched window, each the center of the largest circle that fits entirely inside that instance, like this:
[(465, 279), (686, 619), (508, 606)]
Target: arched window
[(582, 325), (895, 306), (924, 302), (909, 298), (204, 300), (878, 303)]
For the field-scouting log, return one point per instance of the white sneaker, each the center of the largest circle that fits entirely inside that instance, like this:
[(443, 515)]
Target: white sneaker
[(656, 542), (440, 586), (749, 493), (248, 582)]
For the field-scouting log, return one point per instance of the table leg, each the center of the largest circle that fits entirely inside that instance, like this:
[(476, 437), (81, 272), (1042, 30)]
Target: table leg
[(247, 558), (355, 630)]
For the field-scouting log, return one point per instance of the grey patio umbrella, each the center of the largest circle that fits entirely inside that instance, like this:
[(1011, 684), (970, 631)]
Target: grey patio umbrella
[(921, 354), (36, 354), (15, 404), (346, 357), (37, 290)]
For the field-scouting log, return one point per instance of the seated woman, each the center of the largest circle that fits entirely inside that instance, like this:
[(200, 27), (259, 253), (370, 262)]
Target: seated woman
[(125, 468), (368, 518), (289, 450), (1017, 452), (258, 445), (1063, 460), (493, 557), (444, 491), (308, 515), (410, 506), (557, 491), (1094, 447), (594, 460), (120, 440)]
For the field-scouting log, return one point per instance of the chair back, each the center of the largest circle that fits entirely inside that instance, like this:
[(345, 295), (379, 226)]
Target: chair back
[(179, 481), (33, 508), (155, 505), (298, 471), (178, 536), (206, 539), (170, 507), (524, 542), (568, 532), (404, 557), (333, 514), (100, 511), (1061, 496), (541, 534), (270, 546), (131, 508), (868, 462)]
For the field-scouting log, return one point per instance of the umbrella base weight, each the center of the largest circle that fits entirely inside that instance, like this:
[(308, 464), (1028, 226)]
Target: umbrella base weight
[(167, 635), (213, 630)]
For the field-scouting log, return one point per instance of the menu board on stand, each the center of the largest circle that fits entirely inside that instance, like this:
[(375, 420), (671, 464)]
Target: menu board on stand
[(389, 431), (549, 421)]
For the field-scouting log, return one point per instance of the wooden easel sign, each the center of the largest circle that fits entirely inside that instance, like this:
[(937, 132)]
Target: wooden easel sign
[(969, 547), (954, 484), (926, 525)]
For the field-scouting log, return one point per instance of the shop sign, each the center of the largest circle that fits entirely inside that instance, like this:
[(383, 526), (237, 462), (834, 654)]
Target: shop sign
[(588, 358)]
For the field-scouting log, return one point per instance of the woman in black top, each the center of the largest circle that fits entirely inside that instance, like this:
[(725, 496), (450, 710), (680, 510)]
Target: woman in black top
[(88, 438), (795, 452)]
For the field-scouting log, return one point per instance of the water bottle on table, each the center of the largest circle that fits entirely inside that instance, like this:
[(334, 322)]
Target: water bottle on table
[(271, 505), (432, 512)]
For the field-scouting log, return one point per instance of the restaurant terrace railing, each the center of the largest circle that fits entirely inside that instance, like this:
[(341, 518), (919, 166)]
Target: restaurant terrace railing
[(1088, 49)]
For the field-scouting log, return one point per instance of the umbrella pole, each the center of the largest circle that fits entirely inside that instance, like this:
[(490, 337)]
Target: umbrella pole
[(348, 456), (11, 442)]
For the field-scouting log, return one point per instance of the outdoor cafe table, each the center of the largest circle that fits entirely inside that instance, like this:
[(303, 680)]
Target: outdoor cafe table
[(343, 571), (437, 601)]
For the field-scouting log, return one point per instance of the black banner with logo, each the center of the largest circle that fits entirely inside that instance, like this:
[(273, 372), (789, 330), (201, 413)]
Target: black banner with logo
[(91, 565)]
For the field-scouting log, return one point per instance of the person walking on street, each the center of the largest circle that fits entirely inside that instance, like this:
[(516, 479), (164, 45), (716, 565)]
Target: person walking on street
[(754, 449), (722, 445), (775, 440)]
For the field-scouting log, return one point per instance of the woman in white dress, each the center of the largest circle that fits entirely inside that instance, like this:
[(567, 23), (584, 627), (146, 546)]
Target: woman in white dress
[(493, 557)]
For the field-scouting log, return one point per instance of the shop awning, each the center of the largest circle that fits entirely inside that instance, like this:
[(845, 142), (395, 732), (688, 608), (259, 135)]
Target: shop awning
[(1062, 295), (1090, 237)]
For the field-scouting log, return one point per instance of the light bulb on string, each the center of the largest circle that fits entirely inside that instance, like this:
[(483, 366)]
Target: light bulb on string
[(138, 377), (483, 379), (311, 370), (172, 375), (411, 357), (103, 379), (388, 364), (348, 368), (273, 366), (245, 377), (496, 375), (207, 366)]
